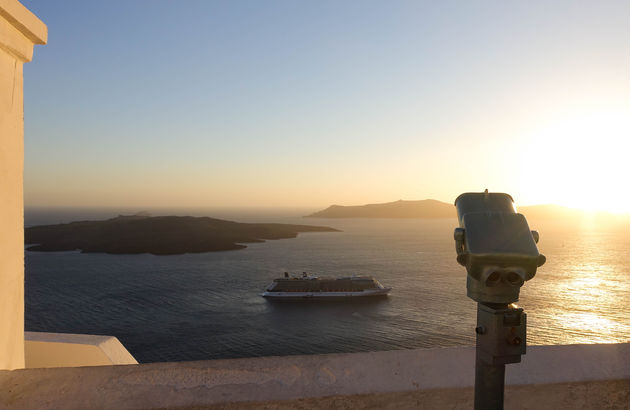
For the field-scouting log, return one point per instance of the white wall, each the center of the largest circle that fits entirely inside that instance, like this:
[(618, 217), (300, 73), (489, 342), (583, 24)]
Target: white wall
[(550, 377), (19, 30)]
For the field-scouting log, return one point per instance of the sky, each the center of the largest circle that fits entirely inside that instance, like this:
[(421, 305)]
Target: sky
[(307, 104)]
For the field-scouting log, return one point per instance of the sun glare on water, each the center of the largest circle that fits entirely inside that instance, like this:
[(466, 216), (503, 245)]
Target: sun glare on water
[(581, 161)]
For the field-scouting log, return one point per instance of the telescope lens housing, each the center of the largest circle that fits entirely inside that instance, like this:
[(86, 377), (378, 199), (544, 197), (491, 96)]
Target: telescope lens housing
[(514, 279), (494, 278)]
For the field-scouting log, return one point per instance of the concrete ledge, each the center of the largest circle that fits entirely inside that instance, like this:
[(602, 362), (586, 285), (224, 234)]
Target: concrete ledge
[(70, 350), (568, 375), (24, 21), (19, 30), (587, 395)]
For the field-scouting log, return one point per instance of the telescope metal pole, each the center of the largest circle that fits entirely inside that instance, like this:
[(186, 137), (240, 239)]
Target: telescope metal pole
[(489, 378), (489, 385), (501, 339)]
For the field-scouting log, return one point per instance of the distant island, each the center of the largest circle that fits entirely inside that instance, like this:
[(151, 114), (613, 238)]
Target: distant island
[(160, 235), (431, 208), (428, 208)]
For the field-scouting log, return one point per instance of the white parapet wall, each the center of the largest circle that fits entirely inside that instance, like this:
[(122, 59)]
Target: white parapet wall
[(550, 377), (19, 31), (71, 350)]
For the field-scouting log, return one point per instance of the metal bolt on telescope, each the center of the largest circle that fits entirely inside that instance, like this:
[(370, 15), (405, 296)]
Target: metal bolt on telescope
[(499, 252)]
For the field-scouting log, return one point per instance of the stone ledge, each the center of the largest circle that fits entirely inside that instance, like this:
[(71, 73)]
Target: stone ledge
[(585, 395), (19, 30), (26, 22), (70, 350), (342, 378)]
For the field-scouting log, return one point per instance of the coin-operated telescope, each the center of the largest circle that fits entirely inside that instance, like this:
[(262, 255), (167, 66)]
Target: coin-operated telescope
[(496, 246), (499, 252)]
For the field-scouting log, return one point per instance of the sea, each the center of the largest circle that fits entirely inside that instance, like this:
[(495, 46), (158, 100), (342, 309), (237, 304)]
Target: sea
[(209, 305)]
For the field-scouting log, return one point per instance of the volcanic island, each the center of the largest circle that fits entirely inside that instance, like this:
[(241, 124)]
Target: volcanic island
[(158, 235)]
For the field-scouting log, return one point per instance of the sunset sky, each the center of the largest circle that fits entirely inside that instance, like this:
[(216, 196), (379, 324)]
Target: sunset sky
[(292, 103)]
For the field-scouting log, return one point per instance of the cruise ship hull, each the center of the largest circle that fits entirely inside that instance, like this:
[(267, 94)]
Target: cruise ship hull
[(326, 295)]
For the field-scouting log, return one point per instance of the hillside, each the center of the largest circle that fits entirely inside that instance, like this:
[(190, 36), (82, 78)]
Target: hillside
[(430, 208), (163, 235)]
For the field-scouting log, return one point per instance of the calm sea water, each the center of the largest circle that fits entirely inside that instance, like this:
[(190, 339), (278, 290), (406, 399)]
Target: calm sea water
[(208, 306)]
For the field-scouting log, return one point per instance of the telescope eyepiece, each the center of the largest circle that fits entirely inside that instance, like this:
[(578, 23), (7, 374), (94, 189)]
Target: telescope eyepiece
[(493, 279), (514, 279)]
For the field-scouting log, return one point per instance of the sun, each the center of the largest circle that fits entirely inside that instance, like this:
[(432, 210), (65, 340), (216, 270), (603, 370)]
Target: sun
[(580, 161)]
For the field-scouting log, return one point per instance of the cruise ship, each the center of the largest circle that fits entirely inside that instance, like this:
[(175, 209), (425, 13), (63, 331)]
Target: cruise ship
[(308, 286)]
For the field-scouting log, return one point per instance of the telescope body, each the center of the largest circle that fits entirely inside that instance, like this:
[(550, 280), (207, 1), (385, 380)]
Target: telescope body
[(496, 246)]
